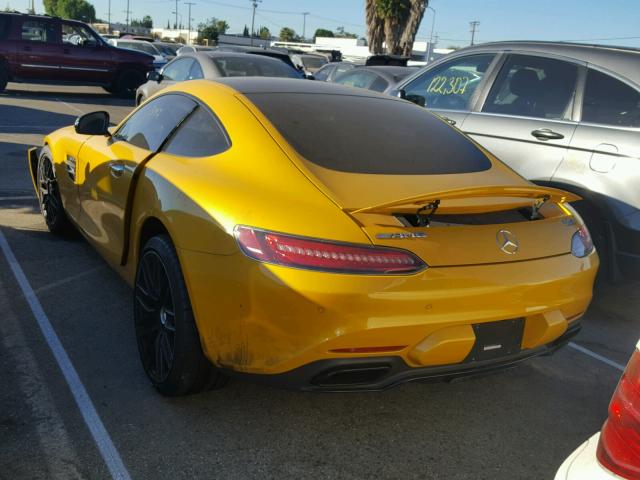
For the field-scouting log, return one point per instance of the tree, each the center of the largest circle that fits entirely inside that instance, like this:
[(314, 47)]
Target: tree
[(264, 33), (395, 22), (322, 32), (211, 29), (340, 33), (72, 9), (222, 26), (245, 32), (288, 35), (168, 25), (146, 22)]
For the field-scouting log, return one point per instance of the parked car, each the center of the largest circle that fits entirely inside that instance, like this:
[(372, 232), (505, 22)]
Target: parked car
[(212, 65), (168, 49), (562, 115), (378, 79), (280, 54), (193, 49), (614, 452), (43, 49), (257, 248), (159, 59), (330, 71), (309, 62)]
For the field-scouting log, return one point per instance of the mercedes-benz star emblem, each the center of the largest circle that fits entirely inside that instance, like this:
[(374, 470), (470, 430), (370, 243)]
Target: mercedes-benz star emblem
[(507, 242)]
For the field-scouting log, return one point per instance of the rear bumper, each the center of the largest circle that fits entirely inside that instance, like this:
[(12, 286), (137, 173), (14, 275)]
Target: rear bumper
[(582, 464), (381, 373)]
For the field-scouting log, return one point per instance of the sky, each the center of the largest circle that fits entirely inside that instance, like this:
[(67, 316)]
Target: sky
[(613, 22)]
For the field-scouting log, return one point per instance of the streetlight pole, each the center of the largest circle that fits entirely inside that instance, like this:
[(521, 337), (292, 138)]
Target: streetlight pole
[(109, 18), (304, 24), (433, 24), (176, 13), (253, 17), (189, 22), (128, 12)]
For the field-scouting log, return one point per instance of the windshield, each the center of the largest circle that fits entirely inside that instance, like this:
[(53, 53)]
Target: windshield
[(358, 134), (313, 62)]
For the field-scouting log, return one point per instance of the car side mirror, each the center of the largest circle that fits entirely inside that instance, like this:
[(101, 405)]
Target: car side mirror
[(154, 76), (309, 76), (94, 123), (400, 93), (417, 99)]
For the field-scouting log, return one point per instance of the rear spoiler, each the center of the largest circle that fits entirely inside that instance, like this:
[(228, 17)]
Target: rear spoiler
[(538, 194)]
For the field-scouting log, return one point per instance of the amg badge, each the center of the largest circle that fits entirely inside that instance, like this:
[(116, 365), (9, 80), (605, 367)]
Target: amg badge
[(400, 235)]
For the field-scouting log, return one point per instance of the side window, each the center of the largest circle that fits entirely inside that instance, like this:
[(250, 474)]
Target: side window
[(200, 135), (38, 31), (73, 34), (450, 85), (340, 69), (379, 85), (357, 78), (608, 101), (5, 22), (533, 87), (323, 73), (177, 70), (151, 124), (196, 71)]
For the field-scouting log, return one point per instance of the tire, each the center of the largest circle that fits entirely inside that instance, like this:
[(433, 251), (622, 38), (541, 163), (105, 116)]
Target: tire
[(127, 83), (166, 332), (49, 196), (4, 76)]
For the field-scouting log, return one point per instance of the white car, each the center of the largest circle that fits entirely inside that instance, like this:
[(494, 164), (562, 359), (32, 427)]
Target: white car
[(159, 59), (614, 452)]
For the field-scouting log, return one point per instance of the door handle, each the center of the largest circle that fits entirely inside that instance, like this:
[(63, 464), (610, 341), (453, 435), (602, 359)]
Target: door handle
[(547, 134), (448, 120), (117, 169)]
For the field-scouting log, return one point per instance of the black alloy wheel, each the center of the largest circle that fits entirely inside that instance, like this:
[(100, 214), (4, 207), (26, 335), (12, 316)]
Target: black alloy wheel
[(49, 195), (166, 332), (155, 317)]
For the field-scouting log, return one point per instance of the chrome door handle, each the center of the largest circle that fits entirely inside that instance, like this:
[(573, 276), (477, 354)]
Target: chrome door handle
[(547, 134), (117, 169)]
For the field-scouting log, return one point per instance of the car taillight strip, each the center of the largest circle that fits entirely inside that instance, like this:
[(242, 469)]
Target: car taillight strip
[(317, 254)]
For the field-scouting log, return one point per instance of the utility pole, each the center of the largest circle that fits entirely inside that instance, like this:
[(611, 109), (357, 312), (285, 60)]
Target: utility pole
[(127, 11), (109, 18), (473, 26), (176, 12), (253, 17), (189, 22), (304, 24), (433, 24)]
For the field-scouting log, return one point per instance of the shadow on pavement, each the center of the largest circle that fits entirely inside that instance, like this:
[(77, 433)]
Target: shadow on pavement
[(70, 97)]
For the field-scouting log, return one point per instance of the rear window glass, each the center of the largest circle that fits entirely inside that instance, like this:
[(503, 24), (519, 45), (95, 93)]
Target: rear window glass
[(253, 66), (358, 134), (4, 26)]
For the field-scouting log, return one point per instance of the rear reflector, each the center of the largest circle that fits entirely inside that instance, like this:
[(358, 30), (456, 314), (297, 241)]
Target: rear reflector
[(324, 255), (619, 445)]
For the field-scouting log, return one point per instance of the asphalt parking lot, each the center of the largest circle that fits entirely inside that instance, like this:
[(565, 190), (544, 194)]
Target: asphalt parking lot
[(520, 423)]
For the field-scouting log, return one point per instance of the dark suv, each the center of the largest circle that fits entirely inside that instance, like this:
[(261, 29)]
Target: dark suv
[(43, 49)]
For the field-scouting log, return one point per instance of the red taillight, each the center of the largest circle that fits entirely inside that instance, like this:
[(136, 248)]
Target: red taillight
[(619, 445), (314, 254)]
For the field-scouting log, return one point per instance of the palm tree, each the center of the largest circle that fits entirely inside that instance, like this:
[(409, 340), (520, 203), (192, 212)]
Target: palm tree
[(394, 21)]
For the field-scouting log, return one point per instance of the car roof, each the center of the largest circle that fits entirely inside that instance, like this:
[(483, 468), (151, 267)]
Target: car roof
[(622, 60), (229, 54), (249, 85)]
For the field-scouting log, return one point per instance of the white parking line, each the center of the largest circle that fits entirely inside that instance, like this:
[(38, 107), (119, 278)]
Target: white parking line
[(89, 414), (588, 352)]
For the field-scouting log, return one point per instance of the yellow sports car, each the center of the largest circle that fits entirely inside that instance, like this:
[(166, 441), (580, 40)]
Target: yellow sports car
[(316, 236)]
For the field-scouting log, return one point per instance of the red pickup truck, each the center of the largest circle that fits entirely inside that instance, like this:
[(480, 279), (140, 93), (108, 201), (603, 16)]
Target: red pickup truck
[(44, 49)]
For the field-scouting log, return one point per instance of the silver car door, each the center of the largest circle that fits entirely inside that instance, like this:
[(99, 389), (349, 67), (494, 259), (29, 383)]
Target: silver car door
[(526, 119)]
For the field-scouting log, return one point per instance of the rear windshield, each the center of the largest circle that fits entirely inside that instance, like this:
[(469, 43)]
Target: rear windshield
[(358, 134), (253, 66), (313, 62), (5, 21)]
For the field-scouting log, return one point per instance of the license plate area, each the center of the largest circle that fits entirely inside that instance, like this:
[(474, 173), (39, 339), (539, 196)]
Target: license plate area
[(496, 339)]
